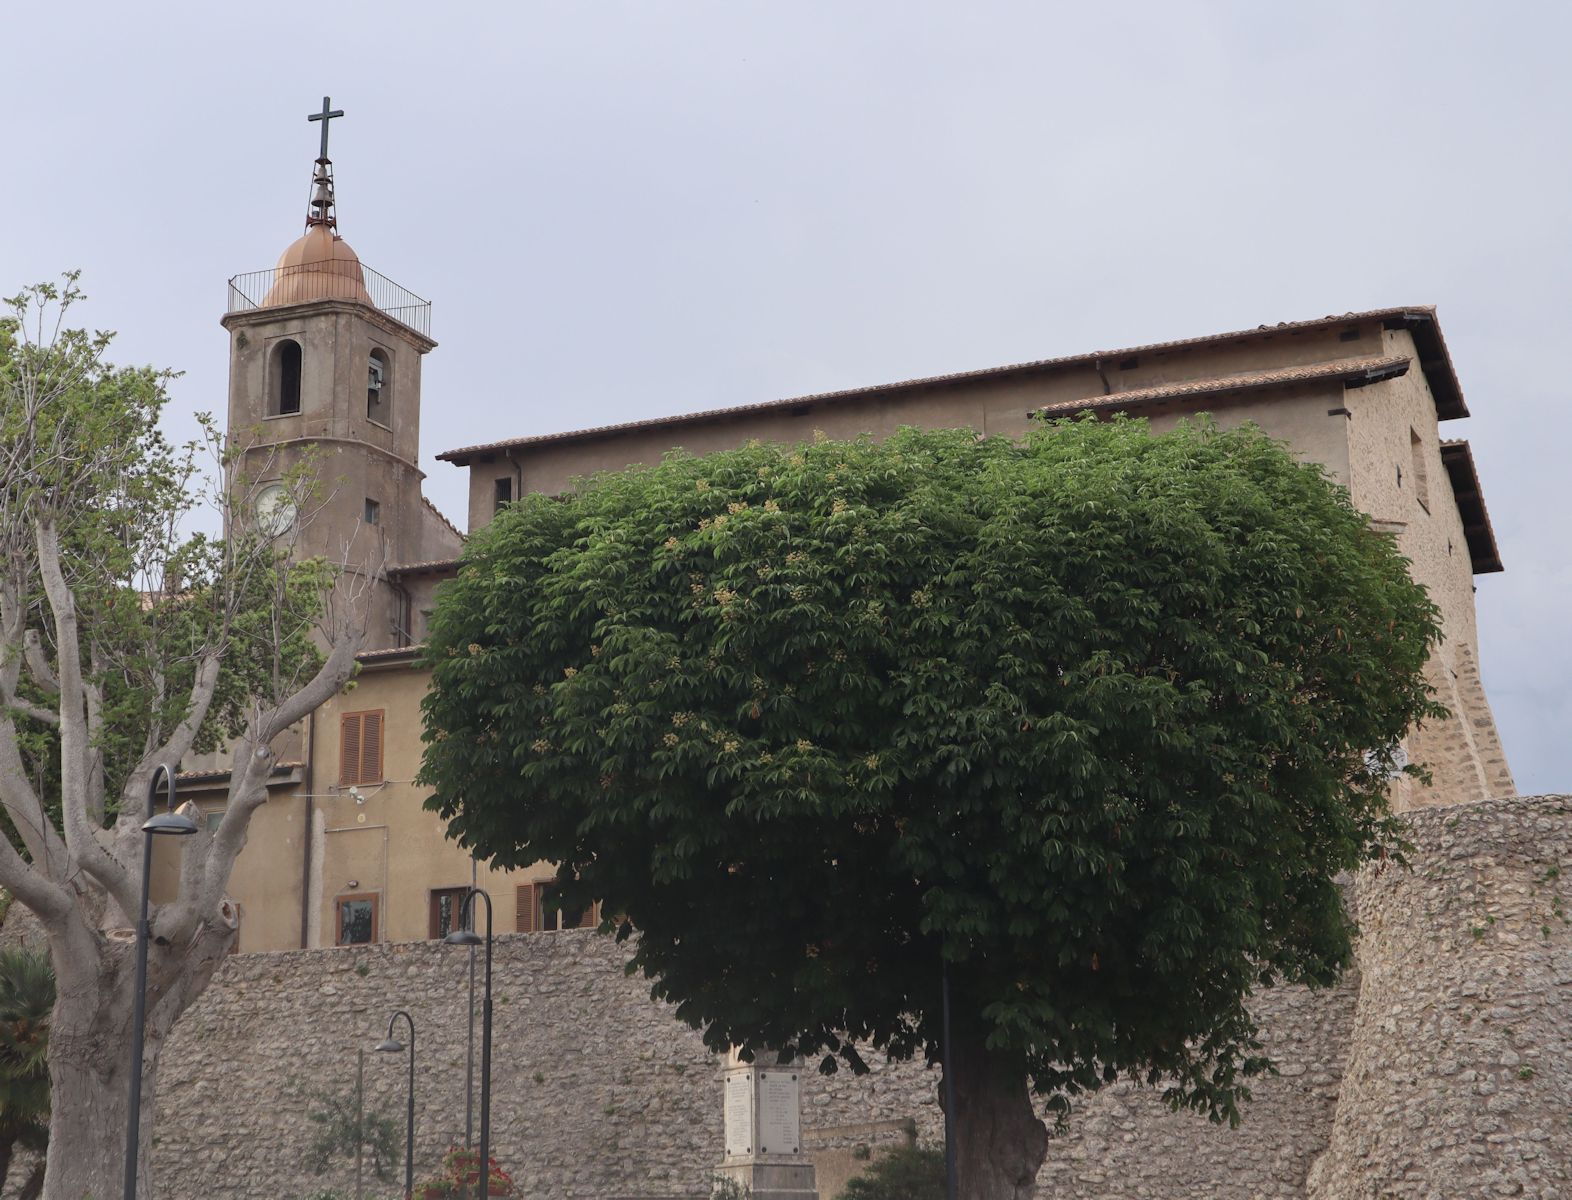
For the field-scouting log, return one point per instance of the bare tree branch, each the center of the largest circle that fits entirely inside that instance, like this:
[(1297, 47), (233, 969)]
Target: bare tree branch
[(80, 836)]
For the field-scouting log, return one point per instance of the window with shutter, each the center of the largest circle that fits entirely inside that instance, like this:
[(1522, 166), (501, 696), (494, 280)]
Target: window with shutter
[(527, 919), (360, 747), (535, 916)]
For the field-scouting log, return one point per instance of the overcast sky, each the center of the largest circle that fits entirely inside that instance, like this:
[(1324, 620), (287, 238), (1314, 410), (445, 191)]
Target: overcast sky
[(622, 210)]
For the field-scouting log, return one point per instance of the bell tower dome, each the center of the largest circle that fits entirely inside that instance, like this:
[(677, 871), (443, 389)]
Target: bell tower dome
[(325, 359)]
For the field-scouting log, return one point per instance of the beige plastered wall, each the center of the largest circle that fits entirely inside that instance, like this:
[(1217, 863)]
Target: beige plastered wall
[(1406, 490), (389, 846)]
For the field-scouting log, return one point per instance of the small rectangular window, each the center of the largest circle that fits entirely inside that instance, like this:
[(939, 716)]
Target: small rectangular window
[(1416, 450), (355, 919), (504, 493), (360, 747), (373, 512)]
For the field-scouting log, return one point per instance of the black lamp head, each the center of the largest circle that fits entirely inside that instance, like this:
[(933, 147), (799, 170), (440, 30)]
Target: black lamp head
[(464, 937), (169, 822)]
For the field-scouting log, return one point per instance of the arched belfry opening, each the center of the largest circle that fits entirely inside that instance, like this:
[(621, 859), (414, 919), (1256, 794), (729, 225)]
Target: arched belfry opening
[(379, 387), (284, 394)]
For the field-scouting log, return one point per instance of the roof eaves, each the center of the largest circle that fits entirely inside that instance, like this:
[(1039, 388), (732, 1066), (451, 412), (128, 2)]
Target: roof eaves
[(391, 655), (1477, 530), (1434, 359), (436, 566), (1357, 372)]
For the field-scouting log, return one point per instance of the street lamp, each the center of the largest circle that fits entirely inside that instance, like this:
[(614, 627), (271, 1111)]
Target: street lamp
[(950, 1115), (465, 936), (171, 822), (390, 1045)]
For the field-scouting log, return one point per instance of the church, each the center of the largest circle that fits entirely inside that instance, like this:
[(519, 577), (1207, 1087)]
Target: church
[(325, 377)]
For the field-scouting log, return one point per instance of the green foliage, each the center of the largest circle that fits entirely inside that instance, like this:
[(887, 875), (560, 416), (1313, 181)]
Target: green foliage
[(342, 1126), (27, 998), (906, 1173), (1095, 718)]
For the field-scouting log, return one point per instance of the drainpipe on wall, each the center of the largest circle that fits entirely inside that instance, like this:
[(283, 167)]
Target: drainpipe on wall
[(305, 833)]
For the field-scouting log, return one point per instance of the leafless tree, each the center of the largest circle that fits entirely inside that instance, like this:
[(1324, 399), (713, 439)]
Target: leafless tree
[(126, 643)]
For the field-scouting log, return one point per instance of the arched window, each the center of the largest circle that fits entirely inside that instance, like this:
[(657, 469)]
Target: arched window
[(379, 388), (285, 391)]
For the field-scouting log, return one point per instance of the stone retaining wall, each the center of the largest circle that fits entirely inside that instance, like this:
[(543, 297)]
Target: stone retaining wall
[(1444, 1069)]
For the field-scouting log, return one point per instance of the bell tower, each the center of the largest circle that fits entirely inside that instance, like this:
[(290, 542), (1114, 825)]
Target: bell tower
[(324, 374)]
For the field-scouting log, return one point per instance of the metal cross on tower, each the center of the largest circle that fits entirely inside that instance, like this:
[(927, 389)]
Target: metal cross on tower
[(325, 116)]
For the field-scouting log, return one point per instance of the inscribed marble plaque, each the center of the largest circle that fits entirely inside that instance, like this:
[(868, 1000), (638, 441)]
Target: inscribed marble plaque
[(739, 1113), (780, 1113)]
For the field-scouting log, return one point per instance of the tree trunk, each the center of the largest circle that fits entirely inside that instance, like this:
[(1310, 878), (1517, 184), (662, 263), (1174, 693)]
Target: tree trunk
[(1000, 1141), (87, 1120), (90, 1062)]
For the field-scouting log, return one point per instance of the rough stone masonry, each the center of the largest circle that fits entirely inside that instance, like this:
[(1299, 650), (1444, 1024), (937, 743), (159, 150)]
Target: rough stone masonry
[(1442, 1069)]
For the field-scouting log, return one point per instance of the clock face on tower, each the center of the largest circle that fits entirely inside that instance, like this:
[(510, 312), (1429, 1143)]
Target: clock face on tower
[(275, 509)]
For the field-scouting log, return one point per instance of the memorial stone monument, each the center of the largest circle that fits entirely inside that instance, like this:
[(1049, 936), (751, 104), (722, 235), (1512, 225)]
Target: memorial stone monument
[(763, 1101)]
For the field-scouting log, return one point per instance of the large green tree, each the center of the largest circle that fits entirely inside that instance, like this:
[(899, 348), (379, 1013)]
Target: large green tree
[(127, 643), (1092, 720)]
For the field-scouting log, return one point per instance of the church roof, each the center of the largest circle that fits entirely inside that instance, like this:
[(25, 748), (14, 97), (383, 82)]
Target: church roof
[(1420, 321)]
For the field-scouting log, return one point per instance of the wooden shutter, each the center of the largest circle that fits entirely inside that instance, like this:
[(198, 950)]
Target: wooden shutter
[(371, 747), (349, 748), (360, 747), (527, 919), (588, 918)]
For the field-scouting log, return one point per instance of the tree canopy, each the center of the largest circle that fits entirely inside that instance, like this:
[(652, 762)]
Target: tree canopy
[(1094, 718)]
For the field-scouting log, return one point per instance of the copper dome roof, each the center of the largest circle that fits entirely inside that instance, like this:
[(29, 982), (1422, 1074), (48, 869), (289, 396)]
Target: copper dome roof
[(317, 266)]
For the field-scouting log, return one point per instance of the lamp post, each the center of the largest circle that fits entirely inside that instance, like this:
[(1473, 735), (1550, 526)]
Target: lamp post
[(949, 1092), (169, 822), (390, 1045), (468, 937)]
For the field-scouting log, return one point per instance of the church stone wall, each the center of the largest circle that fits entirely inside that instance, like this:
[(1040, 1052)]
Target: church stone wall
[(1443, 1069)]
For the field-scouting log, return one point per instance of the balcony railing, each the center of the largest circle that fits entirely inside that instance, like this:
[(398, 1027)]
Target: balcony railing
[(334, 279)]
